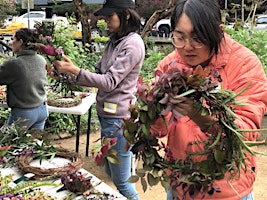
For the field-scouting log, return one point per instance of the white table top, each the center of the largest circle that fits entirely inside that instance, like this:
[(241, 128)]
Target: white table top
[(51, 190), (80, 109)]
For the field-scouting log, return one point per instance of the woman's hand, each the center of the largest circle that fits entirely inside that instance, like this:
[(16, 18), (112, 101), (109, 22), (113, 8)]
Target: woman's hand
[(51, 71), (186, 107), (66, 66)]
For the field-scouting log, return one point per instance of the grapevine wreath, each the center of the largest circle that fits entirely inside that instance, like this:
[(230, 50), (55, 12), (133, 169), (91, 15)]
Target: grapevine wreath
[(76, 161), (23, 145), (224, 151), (57, 100)]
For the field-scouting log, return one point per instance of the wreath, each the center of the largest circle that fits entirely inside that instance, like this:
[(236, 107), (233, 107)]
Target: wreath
[(24, 161), (57, 100), (225, 151)]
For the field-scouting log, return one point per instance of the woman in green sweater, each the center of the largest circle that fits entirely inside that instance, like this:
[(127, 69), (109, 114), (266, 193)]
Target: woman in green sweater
[(25, 78)]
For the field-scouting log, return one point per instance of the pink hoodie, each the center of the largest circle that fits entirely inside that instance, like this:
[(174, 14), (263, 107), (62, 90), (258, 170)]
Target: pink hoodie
[(238, 67)]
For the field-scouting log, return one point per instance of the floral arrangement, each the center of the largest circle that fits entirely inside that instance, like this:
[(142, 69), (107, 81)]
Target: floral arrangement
[(76, 182), (82, 184), (45, 43), (225, 151), (48, 46)]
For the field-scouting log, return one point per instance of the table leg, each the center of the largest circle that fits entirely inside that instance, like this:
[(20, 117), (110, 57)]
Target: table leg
[(78, 124), (88, 130)]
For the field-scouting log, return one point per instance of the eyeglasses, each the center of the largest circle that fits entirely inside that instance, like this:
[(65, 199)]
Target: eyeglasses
[(179, 42)]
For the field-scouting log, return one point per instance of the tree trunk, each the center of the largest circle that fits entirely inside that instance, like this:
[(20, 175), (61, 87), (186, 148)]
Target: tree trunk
[(86, 30), (156, 16)]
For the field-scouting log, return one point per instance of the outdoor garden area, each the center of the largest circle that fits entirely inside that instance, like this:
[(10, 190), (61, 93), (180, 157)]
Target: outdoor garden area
[(19, 147)]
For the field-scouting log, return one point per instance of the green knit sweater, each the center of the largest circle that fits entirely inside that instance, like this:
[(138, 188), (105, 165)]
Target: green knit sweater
[(25, 77)]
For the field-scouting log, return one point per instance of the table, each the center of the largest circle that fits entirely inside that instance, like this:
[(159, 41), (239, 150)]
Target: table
[(78, 110), (52, 190)]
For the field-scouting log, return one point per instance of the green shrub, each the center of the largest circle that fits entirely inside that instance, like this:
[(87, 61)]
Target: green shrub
[(150, 64)]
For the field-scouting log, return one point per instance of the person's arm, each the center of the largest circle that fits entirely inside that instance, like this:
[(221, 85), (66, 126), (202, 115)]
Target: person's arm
[(126, 60), (9, 71), (249, 72)]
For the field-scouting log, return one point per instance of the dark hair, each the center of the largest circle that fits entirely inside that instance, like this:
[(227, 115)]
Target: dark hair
[(27, 36), (205, 16), (133, 24)]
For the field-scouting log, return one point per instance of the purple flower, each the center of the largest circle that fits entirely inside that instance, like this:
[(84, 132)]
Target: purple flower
[(48, 38), (59, 51)]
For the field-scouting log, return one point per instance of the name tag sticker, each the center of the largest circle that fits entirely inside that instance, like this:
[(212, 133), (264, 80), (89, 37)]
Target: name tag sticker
[(110, 107)]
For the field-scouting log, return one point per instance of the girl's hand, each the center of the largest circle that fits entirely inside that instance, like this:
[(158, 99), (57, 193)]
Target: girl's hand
[(66, 66), (186, 107)]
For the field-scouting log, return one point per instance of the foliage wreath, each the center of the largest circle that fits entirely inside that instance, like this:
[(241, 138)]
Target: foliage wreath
[(59, 101), (24, 161), (224, 149)]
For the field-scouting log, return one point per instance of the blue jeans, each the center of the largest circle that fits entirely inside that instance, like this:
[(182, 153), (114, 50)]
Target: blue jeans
[(119, 173), (248, 197), (35, 118)]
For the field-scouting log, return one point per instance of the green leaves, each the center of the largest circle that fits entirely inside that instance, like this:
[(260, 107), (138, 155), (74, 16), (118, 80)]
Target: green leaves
[(223, 149), (22, 141)]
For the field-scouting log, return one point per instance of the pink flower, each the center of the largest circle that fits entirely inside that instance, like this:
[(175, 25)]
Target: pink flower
[(59, 51), (4, 147), (48, 38), (47, 49)]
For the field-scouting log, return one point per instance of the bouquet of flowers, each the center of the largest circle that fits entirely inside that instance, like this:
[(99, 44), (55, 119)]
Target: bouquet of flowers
[(224, 150), (47, 46)]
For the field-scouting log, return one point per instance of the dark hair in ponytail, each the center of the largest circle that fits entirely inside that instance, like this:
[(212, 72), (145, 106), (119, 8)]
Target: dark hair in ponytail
[(28, 37)]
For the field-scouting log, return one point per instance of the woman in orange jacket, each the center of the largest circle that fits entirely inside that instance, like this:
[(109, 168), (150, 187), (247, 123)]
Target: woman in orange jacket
[(199, 39)]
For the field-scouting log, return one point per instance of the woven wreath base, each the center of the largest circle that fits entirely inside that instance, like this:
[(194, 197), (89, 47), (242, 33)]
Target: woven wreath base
[(66, 104), (75, 158)]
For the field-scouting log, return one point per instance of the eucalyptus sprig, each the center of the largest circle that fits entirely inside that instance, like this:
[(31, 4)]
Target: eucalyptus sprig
[(22, 141), (225, 150)]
